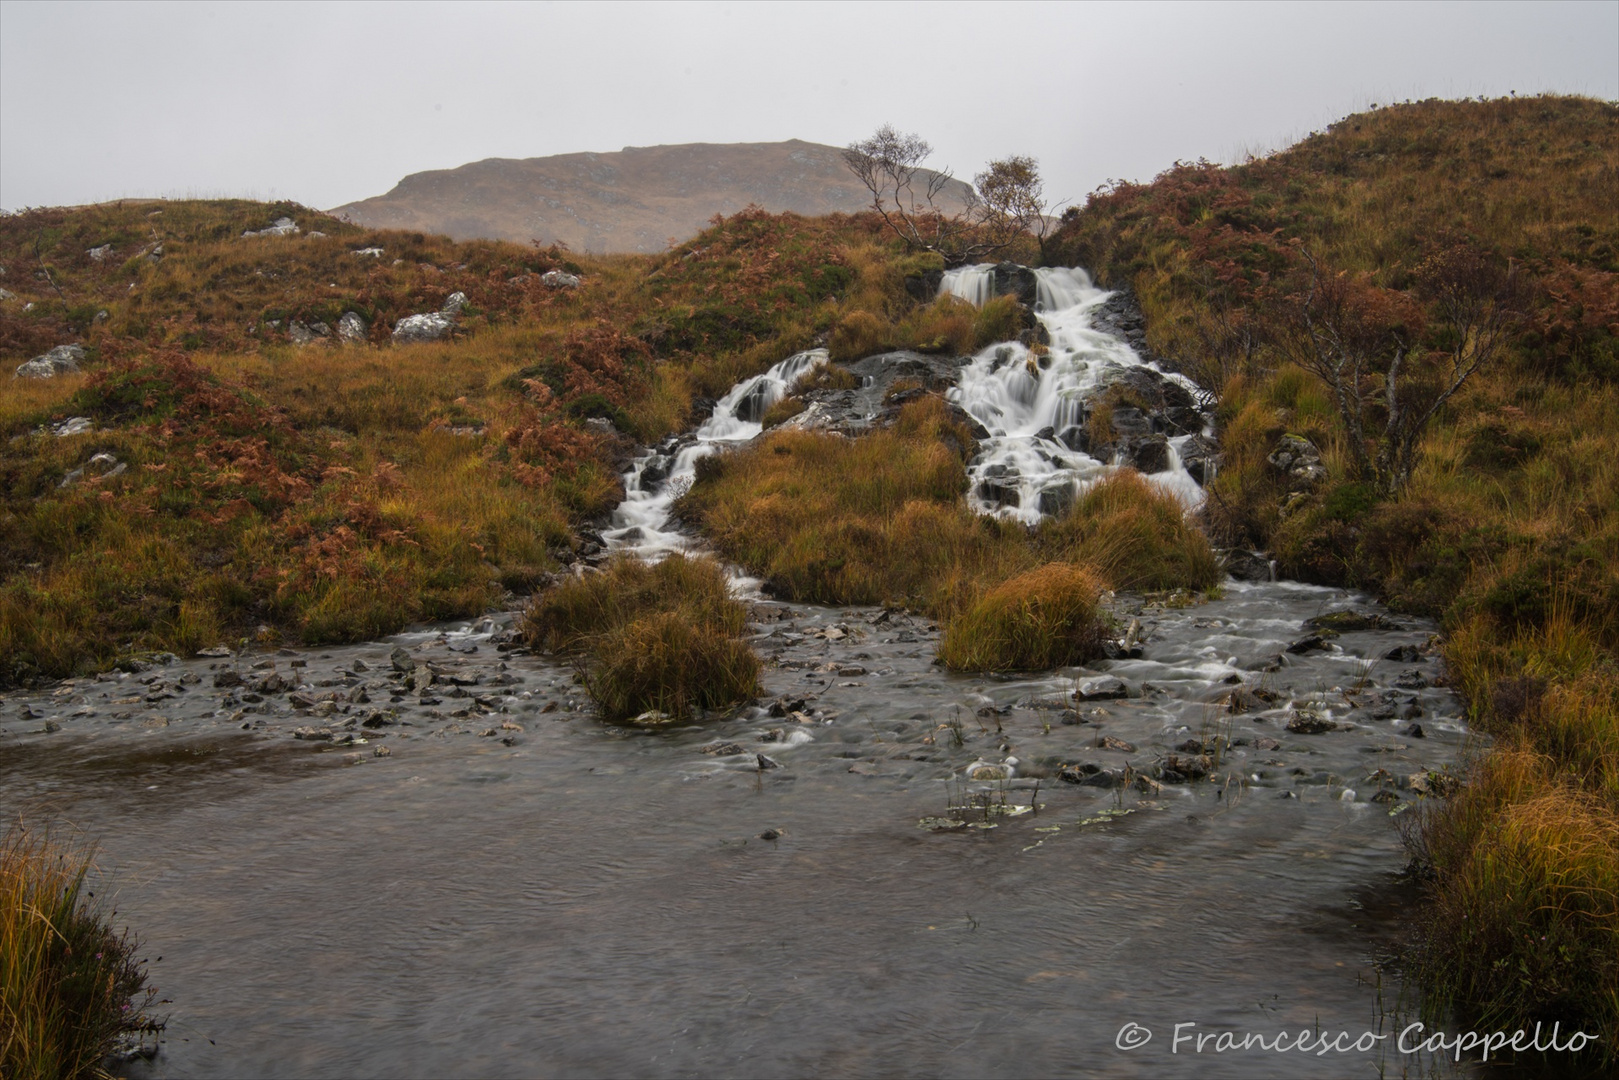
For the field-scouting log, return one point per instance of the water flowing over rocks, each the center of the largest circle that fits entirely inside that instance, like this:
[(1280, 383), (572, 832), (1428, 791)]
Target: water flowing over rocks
[(62, 360)]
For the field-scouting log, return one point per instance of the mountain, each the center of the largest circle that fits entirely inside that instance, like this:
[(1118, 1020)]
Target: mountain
[(637, 199)]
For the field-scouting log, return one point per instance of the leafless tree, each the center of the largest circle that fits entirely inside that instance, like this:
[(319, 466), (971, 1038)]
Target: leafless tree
[(1005, 202), (1358, 340)]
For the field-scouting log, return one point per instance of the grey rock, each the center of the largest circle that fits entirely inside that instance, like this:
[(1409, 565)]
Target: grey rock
[(1310, 723), (284, 226), (433, 326), (1298, 459), (1151, 454), (1107, 688), (73, 425), (367, 252), (1056, 501), (401, 660), (62, 360), (351, 329), (559, 279), (98, 254), (453, 304)]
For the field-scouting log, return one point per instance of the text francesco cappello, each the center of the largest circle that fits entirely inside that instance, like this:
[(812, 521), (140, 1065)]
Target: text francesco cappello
[(1413, 1039)]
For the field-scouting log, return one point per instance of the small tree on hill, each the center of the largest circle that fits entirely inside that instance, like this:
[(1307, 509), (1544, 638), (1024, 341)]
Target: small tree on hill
[(1391, 359), (1005, 202)]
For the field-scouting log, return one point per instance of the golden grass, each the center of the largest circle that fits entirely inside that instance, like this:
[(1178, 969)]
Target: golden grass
[(70, 986), (664, 638), (1043, 618)]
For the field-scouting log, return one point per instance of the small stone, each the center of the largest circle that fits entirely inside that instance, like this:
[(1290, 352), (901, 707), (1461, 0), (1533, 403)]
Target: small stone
[(1403, 654), (224, 679), (312, 734), (1108, 742), (1310, 723), (770, 834), (381, 751), (727, 749), (1415, 732), (1411, 679), (1107, 688), (767, 763)]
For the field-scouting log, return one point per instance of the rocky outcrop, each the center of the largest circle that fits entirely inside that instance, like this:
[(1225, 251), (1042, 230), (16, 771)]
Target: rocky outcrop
[(284, 226), (1299, 462), (431, 326), (351, 329), (877, 402), (61, 360)]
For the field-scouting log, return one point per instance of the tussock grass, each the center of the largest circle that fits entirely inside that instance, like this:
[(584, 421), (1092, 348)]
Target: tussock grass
[(663, 637), (1043, 618), (70, 987), (1134, 535)]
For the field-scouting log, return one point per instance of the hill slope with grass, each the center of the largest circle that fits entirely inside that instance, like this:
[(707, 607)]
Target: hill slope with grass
[(1508, 528), (639, 199)]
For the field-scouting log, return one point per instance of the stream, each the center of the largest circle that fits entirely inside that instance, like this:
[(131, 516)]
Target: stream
[(423, 856)]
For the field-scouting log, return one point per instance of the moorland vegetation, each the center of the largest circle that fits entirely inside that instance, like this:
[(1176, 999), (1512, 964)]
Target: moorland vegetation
[(1336, 291)]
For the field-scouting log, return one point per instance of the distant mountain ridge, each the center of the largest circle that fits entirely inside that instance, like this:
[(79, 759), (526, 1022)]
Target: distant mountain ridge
[(637, 199)]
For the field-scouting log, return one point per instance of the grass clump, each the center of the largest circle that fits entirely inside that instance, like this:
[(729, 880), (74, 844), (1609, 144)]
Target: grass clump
[(663, 638), (1043, 618), (70, 987), (1134, 535)]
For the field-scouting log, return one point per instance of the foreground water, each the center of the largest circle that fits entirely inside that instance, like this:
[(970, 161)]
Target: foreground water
[(519, 890)]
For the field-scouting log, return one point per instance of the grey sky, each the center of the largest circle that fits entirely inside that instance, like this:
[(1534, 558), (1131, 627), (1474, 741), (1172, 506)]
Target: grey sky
[(327, 103)]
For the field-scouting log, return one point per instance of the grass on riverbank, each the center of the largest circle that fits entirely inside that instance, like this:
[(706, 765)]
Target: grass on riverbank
[(1043, 618), (664, 638), (70, 987), (1509, 529)]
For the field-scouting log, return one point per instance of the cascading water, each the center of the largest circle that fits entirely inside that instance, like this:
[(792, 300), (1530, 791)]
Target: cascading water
[(1033, 405), (661, 475)]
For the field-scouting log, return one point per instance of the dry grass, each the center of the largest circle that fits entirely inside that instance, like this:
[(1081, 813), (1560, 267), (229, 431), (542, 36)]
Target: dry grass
[(664, 638), (70, 986), (1044, 618)]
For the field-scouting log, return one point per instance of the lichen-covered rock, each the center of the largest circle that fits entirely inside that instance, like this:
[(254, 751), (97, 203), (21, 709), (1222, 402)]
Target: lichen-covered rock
[(351, 329), (453, 304), (1298, 459), (433, 326), (59, 361), (283, 227), (558, 279)]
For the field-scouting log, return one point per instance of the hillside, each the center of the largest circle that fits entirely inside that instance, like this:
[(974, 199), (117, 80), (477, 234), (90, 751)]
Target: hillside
[(636, 200)]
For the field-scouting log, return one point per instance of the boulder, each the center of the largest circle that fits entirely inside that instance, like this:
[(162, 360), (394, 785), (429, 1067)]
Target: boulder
[(284, 226), (1298, 459), (1057, 501), (1247, 565), (433, 326), (99, 254), (351, 329), (1151, 454), (62, 360), (302, 334), (558, 279), (1201, 459), (453, 304), (1107, 688)]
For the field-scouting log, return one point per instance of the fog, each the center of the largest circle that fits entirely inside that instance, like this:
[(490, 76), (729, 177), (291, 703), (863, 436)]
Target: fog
[(328, 103)]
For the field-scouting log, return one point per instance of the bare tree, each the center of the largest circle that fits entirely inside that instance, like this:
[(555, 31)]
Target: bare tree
[(1358, 340), (1005, 202)]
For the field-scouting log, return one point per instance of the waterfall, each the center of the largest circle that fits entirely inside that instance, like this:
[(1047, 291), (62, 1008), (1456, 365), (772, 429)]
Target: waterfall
[(1034, 462), (659, 476)]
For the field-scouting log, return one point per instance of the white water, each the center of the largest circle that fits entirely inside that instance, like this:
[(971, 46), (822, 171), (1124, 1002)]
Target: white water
[(1027, 403), (641, 522)]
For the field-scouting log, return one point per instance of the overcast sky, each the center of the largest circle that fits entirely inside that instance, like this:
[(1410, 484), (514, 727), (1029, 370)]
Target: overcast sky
[(328, 103)]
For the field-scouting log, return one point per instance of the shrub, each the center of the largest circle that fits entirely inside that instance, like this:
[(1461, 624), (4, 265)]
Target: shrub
[(663, 636), (666, 663), (1044, 618), (70, 987)]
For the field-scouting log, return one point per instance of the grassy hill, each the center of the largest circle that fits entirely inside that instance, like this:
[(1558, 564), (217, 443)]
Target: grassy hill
[(1509, 528), (639, 199)]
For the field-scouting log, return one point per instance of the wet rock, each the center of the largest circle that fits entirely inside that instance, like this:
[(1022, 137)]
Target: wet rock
[(1201, 459), (1437, 784), (1299, 461), (1403, 654), (1181, 769), (849, 671), (1057, 501), (1310, 723), (1108, 742), (1264, 743), (766, 763), (1411, 679), (770, 834), (1312, 643), (1415, 732), (381, 751), (1349, 621), (224, 679), (1107, 688), (312, 734), (725, 749), (1090, 774), (1151, 454), (1247, 565), (62, 360), (402, 660)]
